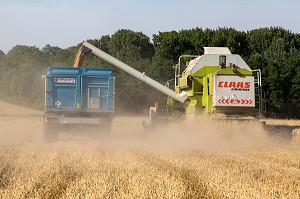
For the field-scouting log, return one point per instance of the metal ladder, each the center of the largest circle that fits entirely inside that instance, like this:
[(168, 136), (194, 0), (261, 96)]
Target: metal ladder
[(258, 92)]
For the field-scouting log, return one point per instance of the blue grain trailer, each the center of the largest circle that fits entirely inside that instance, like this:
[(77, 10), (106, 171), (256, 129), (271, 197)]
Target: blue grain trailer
[(78, 97)]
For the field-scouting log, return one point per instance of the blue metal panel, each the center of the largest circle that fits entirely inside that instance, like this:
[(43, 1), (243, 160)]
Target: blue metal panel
[(92, 88), (63, 71), (66, 96), (107, 72), (97, 89), (63, 87)]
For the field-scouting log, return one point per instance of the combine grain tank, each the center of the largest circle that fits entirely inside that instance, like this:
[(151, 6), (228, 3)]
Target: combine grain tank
[(78, 97)]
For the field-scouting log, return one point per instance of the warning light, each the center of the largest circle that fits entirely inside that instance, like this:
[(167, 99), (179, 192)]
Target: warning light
[(234, 68)]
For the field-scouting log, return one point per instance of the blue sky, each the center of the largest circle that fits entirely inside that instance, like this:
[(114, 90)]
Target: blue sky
[(65, 23)]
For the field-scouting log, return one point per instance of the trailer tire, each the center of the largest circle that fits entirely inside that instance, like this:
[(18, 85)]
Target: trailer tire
[(51, 132)]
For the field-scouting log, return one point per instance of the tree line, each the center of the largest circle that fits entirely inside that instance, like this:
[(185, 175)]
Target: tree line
[(274, 50)]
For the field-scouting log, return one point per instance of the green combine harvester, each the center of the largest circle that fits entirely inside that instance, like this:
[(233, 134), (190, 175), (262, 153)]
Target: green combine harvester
[(217, 83)]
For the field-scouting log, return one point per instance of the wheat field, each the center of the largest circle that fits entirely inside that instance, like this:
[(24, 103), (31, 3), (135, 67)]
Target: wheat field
[(182, 160)]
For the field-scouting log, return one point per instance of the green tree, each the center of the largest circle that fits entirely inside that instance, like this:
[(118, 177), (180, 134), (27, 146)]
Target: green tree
[(2, 55), (58, 56), (134, 49), (274, 50)]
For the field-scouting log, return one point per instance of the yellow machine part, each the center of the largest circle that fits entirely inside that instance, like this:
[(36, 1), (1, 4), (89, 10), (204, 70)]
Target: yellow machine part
[(78, 62)]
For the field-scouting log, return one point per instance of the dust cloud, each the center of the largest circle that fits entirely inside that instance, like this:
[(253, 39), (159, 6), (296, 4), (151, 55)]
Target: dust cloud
[(182, 159), (22, 126), (203, 134), (206, 134)]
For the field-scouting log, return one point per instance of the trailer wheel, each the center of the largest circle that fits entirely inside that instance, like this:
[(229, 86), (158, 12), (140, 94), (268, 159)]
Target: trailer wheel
[(51, 132)]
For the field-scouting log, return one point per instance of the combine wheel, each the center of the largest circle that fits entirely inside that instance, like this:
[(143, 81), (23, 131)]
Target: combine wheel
[(51, 132)]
